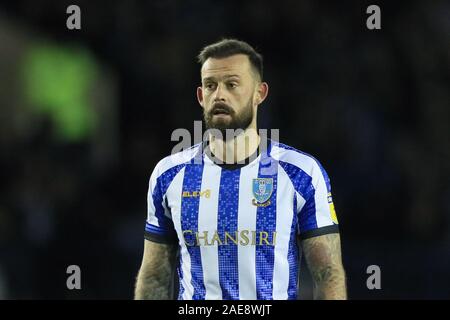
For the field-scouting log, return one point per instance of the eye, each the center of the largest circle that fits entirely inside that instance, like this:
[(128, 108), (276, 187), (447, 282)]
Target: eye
[(210, 86), (232, 85)]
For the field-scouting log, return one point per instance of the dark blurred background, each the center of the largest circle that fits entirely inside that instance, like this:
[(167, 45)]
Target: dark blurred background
[(86, 114)]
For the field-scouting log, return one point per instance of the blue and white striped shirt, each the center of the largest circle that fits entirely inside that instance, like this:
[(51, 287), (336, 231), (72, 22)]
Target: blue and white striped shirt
[(238, 227)]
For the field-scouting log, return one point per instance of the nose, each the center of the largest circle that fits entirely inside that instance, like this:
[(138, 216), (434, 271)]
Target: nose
[(219, 94)]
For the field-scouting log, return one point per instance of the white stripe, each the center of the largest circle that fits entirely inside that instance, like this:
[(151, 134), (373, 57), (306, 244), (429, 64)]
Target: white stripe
[(323, 212), (151, 217), (300, 201), (207, 221), (285, 201), (174, 200), (247, 221)]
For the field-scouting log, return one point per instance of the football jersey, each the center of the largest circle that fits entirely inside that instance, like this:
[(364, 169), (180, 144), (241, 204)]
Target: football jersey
[(237, 227)]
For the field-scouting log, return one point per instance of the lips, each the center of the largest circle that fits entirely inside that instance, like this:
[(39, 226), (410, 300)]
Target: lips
[(220, 111)]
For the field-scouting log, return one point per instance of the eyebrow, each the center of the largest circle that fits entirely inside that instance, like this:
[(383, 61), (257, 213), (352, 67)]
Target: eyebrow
[(226, 77)]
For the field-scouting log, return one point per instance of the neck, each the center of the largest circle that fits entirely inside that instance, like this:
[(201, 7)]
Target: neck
[(237, 149)]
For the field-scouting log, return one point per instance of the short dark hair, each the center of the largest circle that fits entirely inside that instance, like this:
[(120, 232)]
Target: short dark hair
[(229, 47)]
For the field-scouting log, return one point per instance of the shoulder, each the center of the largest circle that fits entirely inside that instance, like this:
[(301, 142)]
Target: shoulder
[(176, 161), (294, 157)]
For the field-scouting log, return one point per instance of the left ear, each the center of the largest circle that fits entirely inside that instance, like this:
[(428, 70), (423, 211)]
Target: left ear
[(262, 92)]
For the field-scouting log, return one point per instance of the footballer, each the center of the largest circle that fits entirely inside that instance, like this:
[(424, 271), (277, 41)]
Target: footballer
[(231, 217)]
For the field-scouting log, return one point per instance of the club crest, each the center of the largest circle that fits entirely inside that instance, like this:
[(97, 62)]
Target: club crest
[(262, 190)]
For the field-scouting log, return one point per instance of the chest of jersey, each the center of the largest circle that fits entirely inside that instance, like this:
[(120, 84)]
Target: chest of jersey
[(246, 207)]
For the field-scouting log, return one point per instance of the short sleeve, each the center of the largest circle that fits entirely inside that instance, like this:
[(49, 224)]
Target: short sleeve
[(159, 225), (317, 216)]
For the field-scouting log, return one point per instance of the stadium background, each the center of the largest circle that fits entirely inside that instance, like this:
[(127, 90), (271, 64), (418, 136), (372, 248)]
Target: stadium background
[(85, 116)]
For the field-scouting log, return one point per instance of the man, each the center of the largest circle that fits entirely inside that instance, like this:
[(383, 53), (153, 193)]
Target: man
[(230, 215)]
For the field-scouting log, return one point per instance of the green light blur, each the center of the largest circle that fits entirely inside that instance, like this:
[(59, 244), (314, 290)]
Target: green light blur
[(58, 81)]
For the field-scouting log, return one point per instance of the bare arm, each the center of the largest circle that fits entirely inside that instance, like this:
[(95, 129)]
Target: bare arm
[(323, 257), (154, 277)]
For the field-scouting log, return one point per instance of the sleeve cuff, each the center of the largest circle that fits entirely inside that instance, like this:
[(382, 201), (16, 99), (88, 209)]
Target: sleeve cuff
[(150, 236), (319, 231)]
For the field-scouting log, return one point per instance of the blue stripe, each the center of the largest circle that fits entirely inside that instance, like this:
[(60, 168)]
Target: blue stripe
[(154, 229), (227, 220), (293, 259), (189, 221), (162, 184), (198, 159), (303, 185), (266, 220)]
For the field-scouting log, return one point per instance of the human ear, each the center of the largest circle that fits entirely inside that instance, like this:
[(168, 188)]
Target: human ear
[(200, 96)]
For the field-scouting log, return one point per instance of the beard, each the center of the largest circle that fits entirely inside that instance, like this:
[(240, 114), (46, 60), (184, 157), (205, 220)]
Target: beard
[(234, 121)]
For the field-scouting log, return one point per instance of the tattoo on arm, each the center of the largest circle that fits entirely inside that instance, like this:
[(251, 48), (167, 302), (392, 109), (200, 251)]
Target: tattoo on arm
[(323, 257), (155, 275)]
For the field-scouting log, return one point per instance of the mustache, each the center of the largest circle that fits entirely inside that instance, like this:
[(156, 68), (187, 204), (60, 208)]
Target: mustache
[(221, 107)]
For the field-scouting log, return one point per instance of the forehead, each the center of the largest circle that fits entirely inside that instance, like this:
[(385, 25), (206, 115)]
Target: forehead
[(238, 64)]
